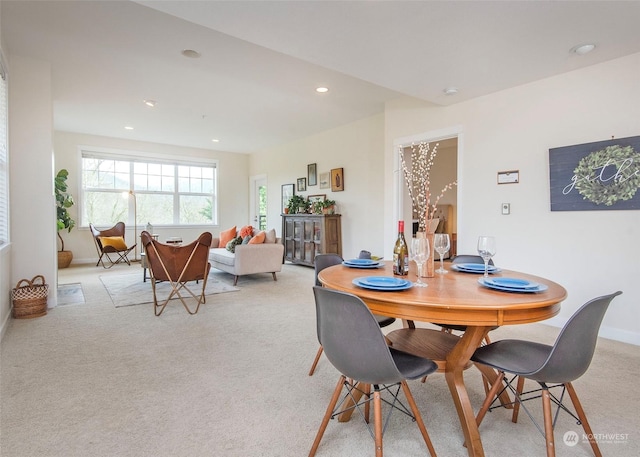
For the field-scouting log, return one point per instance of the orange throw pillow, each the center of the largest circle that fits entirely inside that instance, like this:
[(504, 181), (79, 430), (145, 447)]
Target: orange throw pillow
[(227, 236), (258, 238), (247, 230)]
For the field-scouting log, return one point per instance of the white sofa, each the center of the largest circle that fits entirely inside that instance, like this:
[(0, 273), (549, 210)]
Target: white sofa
[(248, 258)]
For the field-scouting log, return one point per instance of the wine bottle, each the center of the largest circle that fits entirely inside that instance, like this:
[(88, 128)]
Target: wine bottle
[(400, 253)]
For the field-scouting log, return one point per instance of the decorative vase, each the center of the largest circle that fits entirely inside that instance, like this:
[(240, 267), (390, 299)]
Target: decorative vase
[(430, 270), (64, 258)]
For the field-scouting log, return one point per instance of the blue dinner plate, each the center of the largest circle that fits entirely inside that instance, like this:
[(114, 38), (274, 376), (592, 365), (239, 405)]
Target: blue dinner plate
[(514, 283), (539, 288), (372, 264), (383, 281), (369, 283), (361, 262), (474, 268)]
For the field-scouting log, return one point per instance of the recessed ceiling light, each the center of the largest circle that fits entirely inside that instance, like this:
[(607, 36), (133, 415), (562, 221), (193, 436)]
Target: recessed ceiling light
[(215, 140), (450, 91), (583, 49), (322, 90), (128, 127), (151, 103), (190, 53)]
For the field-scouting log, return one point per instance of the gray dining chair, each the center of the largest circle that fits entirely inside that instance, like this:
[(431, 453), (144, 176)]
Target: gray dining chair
[(354, 344), (550, 366), (321, 262)]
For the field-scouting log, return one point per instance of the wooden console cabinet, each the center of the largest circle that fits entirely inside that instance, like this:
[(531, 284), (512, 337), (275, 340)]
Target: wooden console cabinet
[(307, 235)]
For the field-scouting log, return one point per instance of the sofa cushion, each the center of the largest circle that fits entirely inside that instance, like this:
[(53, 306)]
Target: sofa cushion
[(227, 236), (116, 242), (222, 256), (270, 236), (246, 239), (231, 245), (258, 238), (246, 230)]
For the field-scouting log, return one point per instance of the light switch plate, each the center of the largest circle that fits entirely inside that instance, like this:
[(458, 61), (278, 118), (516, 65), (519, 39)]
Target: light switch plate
[(506, 208)]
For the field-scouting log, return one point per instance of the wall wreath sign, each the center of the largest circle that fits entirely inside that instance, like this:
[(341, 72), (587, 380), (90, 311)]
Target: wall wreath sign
[(596, 176)]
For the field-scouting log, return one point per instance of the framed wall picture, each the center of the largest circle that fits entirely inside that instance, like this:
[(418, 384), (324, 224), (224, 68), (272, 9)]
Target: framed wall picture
[(317, 198), (302, 184), (603, 175), (337, 179), (312, 174), (288, 191), (325, 180)]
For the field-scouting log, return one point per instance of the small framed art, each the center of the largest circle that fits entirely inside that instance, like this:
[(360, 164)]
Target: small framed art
[(337, 179), (302, 184), (312, 174), (325, 180), (288, 191), (317, 198)]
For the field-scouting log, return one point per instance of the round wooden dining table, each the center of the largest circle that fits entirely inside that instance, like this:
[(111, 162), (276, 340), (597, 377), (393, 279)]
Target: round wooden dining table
[(454, 298)]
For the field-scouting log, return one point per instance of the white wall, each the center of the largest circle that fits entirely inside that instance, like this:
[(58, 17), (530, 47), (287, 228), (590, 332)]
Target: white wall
[(358, 149), (590, 253), (232, 187), (32, 207)]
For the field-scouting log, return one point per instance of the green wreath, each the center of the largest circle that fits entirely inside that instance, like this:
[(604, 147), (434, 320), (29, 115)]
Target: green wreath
[(619, 185)]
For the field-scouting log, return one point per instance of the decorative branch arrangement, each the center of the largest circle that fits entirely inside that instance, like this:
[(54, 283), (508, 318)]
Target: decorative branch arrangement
[(418, 181)]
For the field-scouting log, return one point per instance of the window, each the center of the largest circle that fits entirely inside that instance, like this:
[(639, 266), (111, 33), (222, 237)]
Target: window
[(163, 192), (4, 157)]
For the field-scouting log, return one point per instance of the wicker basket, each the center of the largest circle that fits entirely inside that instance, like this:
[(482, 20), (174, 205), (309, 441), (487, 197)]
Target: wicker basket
[(30, 298)]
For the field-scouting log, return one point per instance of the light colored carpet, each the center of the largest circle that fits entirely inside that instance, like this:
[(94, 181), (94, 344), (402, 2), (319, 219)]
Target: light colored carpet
[(129, 289), (231, 381)]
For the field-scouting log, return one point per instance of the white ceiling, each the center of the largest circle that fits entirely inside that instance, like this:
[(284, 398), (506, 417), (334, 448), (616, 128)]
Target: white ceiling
[(253, 86)]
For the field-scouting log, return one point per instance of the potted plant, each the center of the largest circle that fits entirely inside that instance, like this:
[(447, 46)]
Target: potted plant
[(64, 201), (298, 204), (328, 206)]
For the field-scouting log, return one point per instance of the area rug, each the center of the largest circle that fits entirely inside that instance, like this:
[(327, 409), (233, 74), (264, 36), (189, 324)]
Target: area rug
[(129, 289), (70, 294)]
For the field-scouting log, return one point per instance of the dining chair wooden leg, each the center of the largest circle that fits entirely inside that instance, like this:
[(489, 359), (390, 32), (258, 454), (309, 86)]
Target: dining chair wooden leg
[(489, 398), (327, 415), (516, 405), (548, 422), (418, 418), (583, 418), (377, 418), (316, 360)]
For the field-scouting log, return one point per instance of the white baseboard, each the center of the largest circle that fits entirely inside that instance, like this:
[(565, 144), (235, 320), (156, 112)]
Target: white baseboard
[(611, 333)]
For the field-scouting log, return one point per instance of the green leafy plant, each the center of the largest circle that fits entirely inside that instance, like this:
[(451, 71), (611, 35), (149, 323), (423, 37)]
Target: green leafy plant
[(298, 204), (64, 201)]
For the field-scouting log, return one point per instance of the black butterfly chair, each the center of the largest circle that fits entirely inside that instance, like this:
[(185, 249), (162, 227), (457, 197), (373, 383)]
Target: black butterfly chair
[(323, 261), (354, 344), (560, 364)]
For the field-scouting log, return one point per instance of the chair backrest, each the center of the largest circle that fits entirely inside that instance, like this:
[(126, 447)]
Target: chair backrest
[(573, 350), (352, 339), (323, 261), (168, 262), (116, 230), (469, 258)]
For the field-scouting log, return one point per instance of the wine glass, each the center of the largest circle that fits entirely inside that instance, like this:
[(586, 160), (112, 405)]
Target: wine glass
[(486, 249), (441, 245), (419, 251)]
